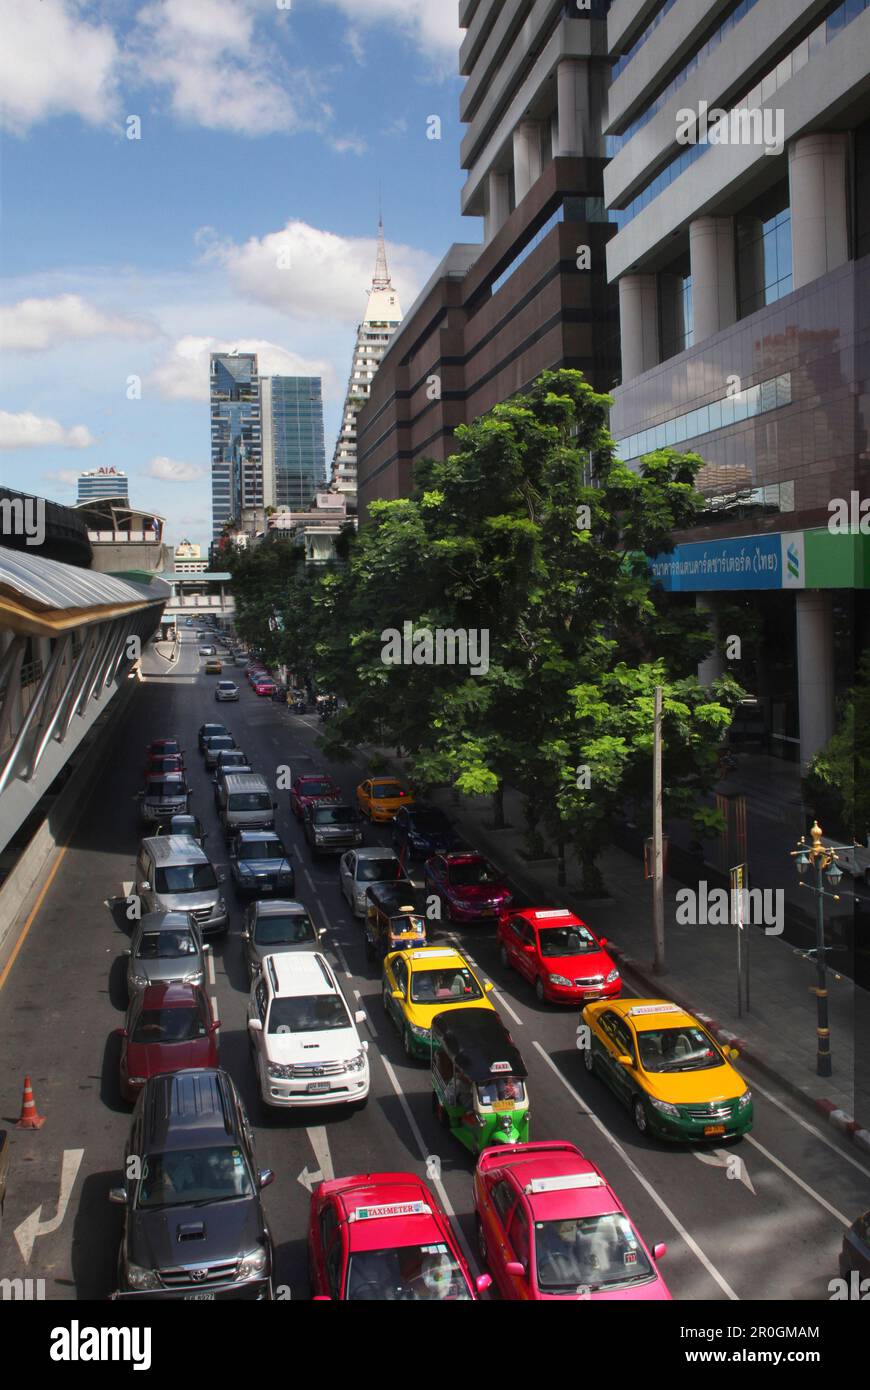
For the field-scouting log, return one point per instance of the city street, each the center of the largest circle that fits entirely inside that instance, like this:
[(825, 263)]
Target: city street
[(762, 1219)]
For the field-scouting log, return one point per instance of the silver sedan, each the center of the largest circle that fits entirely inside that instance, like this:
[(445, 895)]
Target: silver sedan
[(360, 868), (166, 948), (226, 690)]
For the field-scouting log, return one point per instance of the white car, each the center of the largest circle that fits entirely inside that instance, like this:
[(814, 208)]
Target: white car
[(360, 868), (304, 1041), (226, 690)]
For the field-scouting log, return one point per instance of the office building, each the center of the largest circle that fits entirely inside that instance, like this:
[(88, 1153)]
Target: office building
[(102, 482), (236, 436), (294, 460)]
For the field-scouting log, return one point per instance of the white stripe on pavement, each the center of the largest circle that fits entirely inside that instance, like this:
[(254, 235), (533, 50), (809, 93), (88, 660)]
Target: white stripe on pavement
[(371, 1027), (804, 1186), (811, 1129), (647, 1186), (210, 960), (216, 1013)]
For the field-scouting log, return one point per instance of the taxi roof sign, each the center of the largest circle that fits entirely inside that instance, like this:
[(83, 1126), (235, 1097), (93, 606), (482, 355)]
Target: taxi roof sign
[(391, 1209), (428, 952), (655, 1009), (567, 1183), (500, 1066), (554, 912)]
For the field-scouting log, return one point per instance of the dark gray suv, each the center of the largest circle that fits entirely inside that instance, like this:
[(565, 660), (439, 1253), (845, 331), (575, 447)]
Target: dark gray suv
[(194, 1226)]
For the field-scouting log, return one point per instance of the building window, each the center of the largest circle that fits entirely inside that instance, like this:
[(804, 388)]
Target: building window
[(763, 254), (676, 317), (862, 190)]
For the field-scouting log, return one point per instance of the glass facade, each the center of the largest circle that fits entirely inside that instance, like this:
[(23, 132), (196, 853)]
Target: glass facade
[(763, 260), (298, 450), (730, 410), (236, 436), (676, 315)]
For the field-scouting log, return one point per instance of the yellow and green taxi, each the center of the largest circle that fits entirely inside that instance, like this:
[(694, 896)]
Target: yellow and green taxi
[(662, 1063), (380, 798), (419, 984)]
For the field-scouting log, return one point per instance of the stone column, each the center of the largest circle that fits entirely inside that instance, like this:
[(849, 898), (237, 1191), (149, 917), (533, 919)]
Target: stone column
[(815, 671), (527, 157), (577, 133), (497, 204), (714, 284), (711, 668), (817, 196), (638, 324)]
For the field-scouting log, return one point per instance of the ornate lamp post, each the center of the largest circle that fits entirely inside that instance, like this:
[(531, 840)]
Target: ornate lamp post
[(823, 860)]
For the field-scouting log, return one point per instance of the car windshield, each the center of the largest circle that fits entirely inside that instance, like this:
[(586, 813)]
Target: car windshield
[(232, 757), (677, 1049), (455, 985), (289, 930), (262, 849), (250, 801), (502, 1090), (566, 941), (169, 745), (166, 788), (313, 1013), (477, 872), (185, 878), (316, 788), (170, 1025), (429, 821), (591, 1252), (212, 730), (166, 945), (332, 815), (184, 825), (378, 870), (387, 789), (226, 685), (188, 1176), (411, 1274)]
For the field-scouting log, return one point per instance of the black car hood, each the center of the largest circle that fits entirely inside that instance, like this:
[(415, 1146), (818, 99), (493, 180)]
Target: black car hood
[(219, 1231)]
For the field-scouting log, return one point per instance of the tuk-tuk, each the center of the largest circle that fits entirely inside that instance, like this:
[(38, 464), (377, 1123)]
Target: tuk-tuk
[(478, 1079), (395, 918)]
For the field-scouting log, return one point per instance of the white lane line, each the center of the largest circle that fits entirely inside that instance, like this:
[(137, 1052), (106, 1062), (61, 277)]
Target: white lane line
[(341, 956), (804, 1186), (505, 1005), (371, 1027), (309, 880), (320, 1144), (210, 967), (127, 887), (811, 1129), (214, 1008), (645, 1184)]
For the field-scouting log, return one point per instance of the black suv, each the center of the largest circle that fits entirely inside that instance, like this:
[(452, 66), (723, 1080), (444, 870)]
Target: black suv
[(331, 826), (194, 1226)]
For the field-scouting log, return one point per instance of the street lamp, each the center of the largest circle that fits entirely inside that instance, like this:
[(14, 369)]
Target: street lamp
[(823, 860)]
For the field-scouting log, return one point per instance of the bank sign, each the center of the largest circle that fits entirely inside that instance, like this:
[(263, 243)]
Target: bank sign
[(742, 562)]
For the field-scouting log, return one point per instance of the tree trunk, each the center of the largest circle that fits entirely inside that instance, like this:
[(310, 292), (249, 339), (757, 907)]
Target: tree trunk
[(498, 808), (560, 850)]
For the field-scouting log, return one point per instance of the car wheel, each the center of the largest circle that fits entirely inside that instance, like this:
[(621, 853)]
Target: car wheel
[(539, 990), (503, 957), (440, 1113), (406, 1042), (385, 1000), (588, 1060), (638, 1111)]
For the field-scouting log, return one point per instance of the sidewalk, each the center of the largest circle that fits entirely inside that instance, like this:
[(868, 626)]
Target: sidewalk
[(778, 1034)]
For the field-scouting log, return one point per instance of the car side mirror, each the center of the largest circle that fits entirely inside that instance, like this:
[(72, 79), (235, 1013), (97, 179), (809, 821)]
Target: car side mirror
[(265, 1177), (321, 1298), (119, 1195), (733, 1053), (127, 952), (602, 941), (215, 1026), (483, 1282), (365, 1047), (624, 1060), (397, 994), (514, 1267), (255, 1025), (359, 1016), (145, 886), (121, 1033), (659, 1250), (245, 934), (488, 985)]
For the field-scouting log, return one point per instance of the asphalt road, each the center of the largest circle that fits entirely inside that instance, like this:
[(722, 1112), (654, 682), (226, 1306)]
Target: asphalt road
[(768, 1227)]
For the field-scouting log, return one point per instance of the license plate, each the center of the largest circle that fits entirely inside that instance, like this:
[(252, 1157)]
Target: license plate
[(714, 1129), (315, 1086), (489, 912), (590, 993), (199, 1298)]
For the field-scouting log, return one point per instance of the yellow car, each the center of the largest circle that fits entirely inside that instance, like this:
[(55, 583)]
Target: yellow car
[(381, 797), (662, 1063), (213, 666), (419, 984)]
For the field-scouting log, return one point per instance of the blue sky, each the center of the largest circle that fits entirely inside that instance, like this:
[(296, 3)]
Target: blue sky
[(267, 129)]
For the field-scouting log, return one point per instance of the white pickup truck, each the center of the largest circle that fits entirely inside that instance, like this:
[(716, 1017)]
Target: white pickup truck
[(853, 859)]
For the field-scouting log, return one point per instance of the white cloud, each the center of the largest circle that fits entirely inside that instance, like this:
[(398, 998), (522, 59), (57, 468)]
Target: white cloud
[(183, 374), (172, 470), (67, 476), (52, 63), (28, 431), (433, 25), (34, 324), (348, 143)]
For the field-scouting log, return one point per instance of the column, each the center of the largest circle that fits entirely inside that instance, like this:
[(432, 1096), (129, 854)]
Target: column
[(497, 204), (711, 668), (815, 671), (576, 133), (638, 325), (527, 157), (817, 196), (714, 285)]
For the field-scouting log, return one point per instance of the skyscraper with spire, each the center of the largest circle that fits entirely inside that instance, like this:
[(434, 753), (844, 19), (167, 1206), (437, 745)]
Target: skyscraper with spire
[(382, 317)]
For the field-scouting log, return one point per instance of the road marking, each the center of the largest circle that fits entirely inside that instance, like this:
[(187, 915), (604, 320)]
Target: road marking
[(216, 1013), (341, 956), (4, 974), (324, 1172), (210, 960), (371, 1027), (721, 1158), (127, 886), (811, 1129), (804, 1186), (496, 992), (27, 1232), (645, 1184)]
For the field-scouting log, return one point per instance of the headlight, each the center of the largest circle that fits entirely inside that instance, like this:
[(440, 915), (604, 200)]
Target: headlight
[(136, 1080), (286, 875), (559, 980), (356, 1062), (139, 1278), (194, 978), (281, 1073), (252, 1263), (421, 1033), (319, 835), (665, 1107), (744, 1100), (614, 975), (221, 904), (140, 981)]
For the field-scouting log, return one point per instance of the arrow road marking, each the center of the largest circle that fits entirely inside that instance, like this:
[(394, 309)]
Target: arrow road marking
[(27, 1232), (721, 1158), (324, 1171)]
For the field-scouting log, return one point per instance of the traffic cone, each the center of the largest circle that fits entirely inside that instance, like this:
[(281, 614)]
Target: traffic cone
[(30, 1119)]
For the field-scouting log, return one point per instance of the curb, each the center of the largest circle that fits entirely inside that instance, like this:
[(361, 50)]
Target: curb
[(844, 1123)]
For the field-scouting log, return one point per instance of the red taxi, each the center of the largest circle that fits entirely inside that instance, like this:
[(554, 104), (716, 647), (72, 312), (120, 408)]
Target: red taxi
[(558, 954), (550, 1227), (384, 1237)]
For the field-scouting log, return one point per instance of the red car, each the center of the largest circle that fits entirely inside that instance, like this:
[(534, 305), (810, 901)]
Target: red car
[(550, 1227), (312, 787), (384, 1237), (169, 1027), (467, 885), (164, 747), (263, 685), (158, 764), (558, 954)]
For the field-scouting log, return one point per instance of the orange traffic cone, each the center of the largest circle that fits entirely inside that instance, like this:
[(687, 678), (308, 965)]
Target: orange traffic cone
[(30, 1119)]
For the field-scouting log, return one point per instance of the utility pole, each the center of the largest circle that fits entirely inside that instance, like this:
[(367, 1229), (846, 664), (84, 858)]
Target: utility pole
[(658, 857)]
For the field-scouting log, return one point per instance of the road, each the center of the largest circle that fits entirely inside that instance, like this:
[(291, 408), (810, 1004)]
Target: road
[(766, 1227)]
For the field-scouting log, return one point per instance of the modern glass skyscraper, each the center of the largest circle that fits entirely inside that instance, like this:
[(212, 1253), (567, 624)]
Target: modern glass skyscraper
[(236, 436), (294, 459)]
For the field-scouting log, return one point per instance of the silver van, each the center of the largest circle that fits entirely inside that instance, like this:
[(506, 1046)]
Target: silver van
[(245, 802), (174, 875)]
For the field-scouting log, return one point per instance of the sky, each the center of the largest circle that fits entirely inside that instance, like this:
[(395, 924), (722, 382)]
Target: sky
[(243, 216)]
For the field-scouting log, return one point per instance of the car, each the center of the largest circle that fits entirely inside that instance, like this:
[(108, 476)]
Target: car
[(380, 798), (239, 659), (194, 1225), (188, 622), (855, 1254), (330, 826), (361, 867), (169, 1027), (260, 863), (223, 770), (160, 763), (162, 797), (214, 745), (213, 666), (467, 885), (422, 831), (384, 1237), (311, 787), (304, 1042), (275, 925), (549, 1226), (174, 874), (165, 948), (671, 1073), (207, 650), (164, 747), (229, 760), (263, 686), (417, 985), (226, 690), (558, 954), (207, 731), (183, 825)]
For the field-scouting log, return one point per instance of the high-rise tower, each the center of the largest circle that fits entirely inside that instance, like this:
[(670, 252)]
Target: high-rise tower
[(294, 461), (236, 436)]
